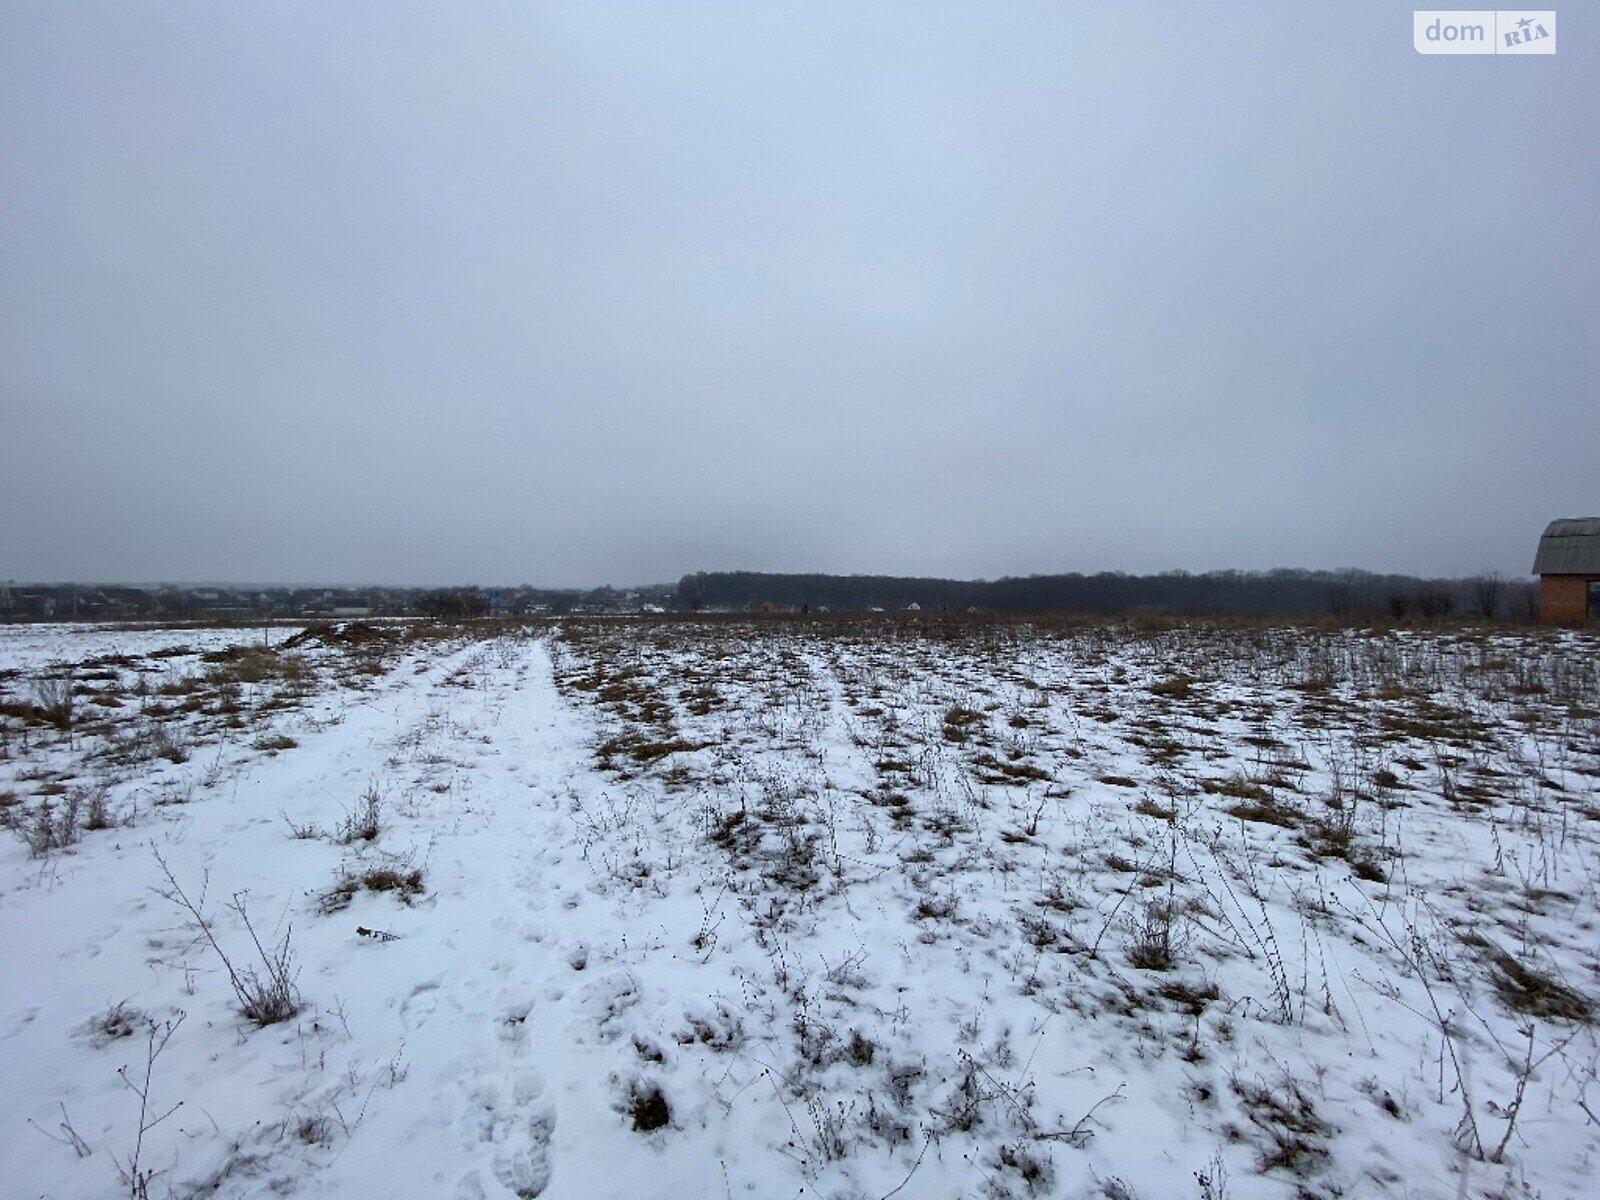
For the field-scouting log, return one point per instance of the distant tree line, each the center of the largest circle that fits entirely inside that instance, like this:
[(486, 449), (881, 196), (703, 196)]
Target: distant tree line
[(226, 603), (1294, 592), (452, 603), (1355, 594)]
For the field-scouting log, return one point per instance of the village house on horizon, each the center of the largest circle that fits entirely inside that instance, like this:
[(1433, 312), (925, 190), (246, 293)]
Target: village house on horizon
[(1568, 567)]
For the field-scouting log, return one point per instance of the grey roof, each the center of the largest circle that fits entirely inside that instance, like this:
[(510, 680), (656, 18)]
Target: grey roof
[(1569, 547)]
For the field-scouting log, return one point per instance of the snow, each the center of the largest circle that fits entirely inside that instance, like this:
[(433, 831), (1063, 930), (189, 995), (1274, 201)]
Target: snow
[(877, 908)]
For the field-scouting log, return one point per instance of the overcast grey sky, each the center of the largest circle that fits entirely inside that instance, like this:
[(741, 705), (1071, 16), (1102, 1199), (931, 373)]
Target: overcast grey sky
[(581, 292)]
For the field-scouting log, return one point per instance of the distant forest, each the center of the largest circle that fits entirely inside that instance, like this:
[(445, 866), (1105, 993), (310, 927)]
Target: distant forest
[(1327, 593)]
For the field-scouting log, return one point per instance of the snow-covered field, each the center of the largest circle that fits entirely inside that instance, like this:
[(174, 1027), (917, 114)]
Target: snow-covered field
[(721, 908)]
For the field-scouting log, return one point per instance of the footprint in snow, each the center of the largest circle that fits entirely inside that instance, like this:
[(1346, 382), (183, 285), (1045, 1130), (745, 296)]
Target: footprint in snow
[(518, 1130), (514, 1025), (416, 1008), (20, 1021)]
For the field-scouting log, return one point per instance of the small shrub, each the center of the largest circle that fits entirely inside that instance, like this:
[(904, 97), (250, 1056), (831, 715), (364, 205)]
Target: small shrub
[(266, 995), (1238, 787), (52, 699), (51, 827), (1149, 808), (404, 885), (1027, 1162), (649, 1108), (338, 897), (1268, 812), (860, 1049), (936, 908), (1294, 1131), (1366, 867), (117, 1022), (96, 806), (1152, 946), (314, 1131), (959, 721), (643, 751), (364, 822), (1526, 989), (162, 742), (1191, 998), (1176, 688)]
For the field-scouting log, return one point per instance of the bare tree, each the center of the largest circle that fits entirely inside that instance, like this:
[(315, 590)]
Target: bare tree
[(1434, 602), (1487, 589)]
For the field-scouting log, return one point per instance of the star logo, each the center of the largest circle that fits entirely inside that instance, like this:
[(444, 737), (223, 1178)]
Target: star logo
[(1524, 23)]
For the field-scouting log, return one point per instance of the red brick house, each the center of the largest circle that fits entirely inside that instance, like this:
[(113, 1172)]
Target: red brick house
[(1568, 567)]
